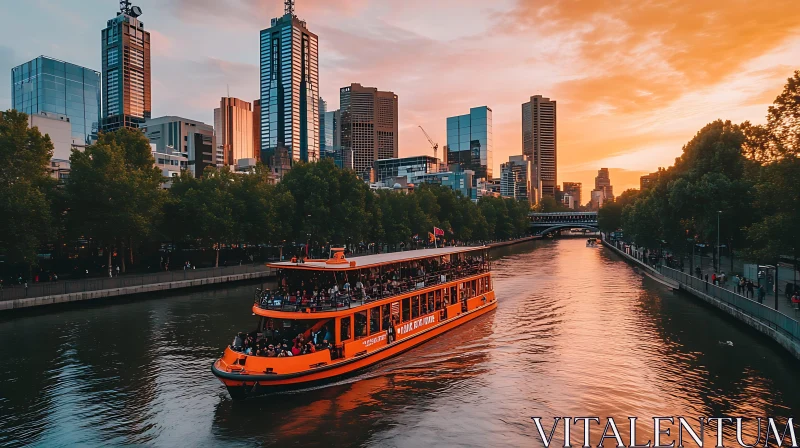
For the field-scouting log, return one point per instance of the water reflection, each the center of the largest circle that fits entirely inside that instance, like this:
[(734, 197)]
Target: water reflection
[(577, 332)]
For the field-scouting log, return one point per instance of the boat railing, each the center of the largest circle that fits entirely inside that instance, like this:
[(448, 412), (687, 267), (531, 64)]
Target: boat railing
[(354, 298)]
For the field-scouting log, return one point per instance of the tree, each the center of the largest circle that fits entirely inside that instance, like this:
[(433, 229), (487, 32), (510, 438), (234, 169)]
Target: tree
[(114, 191), (609, 217), (783, 119), (24, 185), (778, 194), (206, 205)]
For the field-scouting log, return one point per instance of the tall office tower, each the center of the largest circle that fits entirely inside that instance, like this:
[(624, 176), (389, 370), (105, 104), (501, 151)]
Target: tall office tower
[(515, 179), (369, 125), (323, 108), (257, 129), (574, 189), (470, 142), (190, 140), (233, 130), (126, 70), (47, 86), (328, 137), (603, 183), (539, 141), (289, 88)]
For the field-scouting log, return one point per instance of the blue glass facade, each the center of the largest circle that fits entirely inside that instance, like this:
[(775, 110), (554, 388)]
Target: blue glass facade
[(289, 90), (470, 142), (49, 85)]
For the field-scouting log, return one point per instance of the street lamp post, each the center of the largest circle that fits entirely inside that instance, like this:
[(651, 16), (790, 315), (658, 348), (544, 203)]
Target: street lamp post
[(719, 259)]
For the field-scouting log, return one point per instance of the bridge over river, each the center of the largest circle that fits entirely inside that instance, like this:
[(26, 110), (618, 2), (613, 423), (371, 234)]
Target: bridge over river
[(544, 223)]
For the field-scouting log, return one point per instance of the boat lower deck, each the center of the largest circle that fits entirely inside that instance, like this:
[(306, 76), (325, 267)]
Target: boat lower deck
[(377, 348)]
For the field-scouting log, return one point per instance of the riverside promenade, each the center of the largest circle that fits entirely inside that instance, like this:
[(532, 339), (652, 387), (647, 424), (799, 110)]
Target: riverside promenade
[(51, 293), (781, 328)]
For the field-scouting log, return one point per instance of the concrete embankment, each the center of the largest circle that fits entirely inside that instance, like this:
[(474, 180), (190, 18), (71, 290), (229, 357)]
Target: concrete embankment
[(777, 326), (516, 241), (29, 302)]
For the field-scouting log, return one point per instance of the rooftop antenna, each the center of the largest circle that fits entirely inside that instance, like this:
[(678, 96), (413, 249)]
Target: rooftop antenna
[(288, 7), (125, 6)]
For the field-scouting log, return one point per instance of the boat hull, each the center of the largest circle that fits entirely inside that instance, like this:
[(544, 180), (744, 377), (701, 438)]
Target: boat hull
[(241, 386)]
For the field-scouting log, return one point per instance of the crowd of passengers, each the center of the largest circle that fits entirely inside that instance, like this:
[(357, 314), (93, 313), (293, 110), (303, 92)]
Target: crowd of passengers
[(271, 344), (373, 284)]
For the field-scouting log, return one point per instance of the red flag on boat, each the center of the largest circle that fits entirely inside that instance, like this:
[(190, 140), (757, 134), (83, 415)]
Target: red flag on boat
[(438, 232)]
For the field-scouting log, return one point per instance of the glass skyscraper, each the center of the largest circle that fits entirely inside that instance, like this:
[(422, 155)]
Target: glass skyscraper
[(49, 85), (470, 141), (126, 71), (289, 89)]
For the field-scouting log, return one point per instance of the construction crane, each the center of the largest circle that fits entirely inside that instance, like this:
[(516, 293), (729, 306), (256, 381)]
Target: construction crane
[(434, 145)]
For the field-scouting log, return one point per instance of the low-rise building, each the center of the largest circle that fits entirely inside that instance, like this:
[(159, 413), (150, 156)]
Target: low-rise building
[(515, 179), (192, 140), (408, 167)]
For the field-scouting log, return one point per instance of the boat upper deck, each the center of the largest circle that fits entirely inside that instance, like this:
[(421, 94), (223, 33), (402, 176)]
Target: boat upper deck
[(368, 261)]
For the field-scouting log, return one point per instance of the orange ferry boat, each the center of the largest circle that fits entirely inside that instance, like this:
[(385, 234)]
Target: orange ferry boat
[(350, 314)]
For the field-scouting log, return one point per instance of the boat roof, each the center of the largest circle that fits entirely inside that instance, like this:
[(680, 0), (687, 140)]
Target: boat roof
[(367, 261)]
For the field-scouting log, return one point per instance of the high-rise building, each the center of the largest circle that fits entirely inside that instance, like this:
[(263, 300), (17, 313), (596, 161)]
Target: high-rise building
[(289, 89), (328, 137), (603, 191), (323, 108), (126, 70), (233, 130), (330, 146), (470, 142), (368, 125), (574, 190), (257, 129), (515, 179), (49, 87), (603, 183), (649, 179), (177, 136), (539, 141)]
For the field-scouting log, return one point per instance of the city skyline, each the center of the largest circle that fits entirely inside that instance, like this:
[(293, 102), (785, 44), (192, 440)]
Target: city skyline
[(615, 110)]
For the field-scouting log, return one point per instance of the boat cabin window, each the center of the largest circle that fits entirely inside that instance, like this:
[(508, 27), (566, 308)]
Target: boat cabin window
[(406, 309), (386, 314), (273, 335), (361, 324), (453, 296), (415, 307), (374, 319), (344, 328)]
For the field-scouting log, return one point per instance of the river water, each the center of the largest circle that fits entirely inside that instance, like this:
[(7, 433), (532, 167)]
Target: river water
[(577, 333)]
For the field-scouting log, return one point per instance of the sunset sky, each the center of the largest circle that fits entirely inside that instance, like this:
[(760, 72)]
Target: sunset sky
[(634, 79)]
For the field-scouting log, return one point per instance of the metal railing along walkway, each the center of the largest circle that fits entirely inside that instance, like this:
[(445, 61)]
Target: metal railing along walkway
[(768, 316)]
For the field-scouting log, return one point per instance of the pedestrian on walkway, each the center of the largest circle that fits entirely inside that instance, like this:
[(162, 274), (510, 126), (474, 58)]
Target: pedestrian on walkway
[(714, 279), (761, 294), (698, 272)]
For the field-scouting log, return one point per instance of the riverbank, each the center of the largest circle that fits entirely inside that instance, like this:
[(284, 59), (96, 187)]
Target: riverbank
[(779, 327), (126, 286), (516, 241)]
